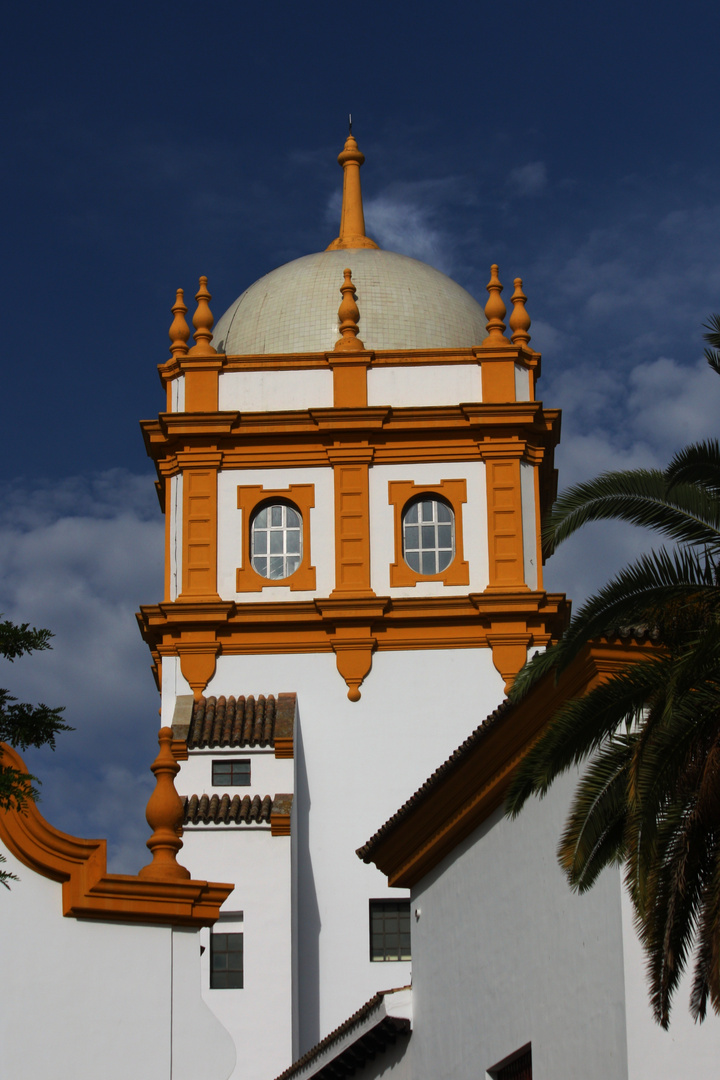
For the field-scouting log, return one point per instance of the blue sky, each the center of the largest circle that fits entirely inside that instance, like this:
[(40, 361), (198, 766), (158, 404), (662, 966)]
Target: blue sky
[(575, 145)]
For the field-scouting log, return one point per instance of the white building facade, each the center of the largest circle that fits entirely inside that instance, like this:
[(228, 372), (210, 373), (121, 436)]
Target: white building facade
[(353, 468)]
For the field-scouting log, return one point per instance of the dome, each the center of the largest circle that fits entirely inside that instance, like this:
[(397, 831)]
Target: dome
[(404, 304)]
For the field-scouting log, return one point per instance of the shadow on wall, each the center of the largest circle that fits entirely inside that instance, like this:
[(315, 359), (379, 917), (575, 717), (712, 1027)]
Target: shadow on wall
[(308, 974)]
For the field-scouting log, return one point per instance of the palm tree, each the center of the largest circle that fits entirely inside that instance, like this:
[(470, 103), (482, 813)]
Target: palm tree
[(649, 798)]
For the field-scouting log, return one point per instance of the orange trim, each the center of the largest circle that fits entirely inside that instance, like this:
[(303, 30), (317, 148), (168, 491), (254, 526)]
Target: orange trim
[(302, 496), (478, 620), (400, 492), (351, 474), (350, 378), (505, 526), (88, 891), (467, 794), (199, 524)]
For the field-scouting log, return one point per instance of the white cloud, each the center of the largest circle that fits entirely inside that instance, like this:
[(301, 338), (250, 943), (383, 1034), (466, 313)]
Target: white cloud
[(78, 556), (527, 180)]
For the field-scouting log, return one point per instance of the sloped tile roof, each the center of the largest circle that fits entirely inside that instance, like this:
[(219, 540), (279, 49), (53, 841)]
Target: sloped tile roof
[(241, 721), (226, 810), (371, 1039)]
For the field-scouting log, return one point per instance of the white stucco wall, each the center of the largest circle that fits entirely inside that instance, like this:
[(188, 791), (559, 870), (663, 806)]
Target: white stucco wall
[(175, 511), (424, 384), (82, 999), (264, 391), (230, 530), (686, 1049), (268, 775), (505, 954), (527, 491), (474, 525), (356, 763), (178, 394), (259, 1016), (522, 383)]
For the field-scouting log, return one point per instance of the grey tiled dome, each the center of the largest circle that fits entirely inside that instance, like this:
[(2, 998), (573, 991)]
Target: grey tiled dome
[(404, 304)]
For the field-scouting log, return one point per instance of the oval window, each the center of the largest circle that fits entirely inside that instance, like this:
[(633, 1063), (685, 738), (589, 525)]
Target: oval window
[(276, 541), (428, 535)]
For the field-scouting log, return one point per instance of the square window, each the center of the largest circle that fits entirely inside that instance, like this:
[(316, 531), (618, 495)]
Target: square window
[(226, 961), (231, 773), (389, 929)]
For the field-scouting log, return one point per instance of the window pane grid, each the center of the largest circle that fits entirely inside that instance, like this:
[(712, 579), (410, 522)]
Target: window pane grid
[(276, 541), (389, 929), (231, 773), (428, 536), (226, 961)]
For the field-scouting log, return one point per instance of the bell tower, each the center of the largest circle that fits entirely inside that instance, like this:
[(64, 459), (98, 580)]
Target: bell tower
[(353, 466)]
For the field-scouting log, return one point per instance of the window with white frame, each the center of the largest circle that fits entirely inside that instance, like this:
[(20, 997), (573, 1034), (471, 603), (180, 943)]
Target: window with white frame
[(276, 541), (428, 535)]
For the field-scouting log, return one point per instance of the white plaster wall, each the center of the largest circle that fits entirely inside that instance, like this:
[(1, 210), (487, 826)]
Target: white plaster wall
[(175, 510), (686, 1048), (504, 953), (178, 394), (431, 384), (474, 525), (356, 764), (230, 530), (82, 999), (264, 391), (522, 383), (527, 493), (260, 1015), (268, 775)]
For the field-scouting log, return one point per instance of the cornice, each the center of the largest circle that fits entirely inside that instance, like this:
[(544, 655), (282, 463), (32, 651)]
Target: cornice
[(88, 891), (400, 623)]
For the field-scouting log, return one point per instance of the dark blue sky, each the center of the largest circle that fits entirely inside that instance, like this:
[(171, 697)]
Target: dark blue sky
[(148, 144)]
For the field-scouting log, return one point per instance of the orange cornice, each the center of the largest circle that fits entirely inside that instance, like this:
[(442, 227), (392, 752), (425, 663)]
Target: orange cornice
[(471, 787), (508, 623), (88, 891)]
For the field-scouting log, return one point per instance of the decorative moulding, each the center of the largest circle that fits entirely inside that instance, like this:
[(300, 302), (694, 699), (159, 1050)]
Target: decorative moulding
[(88, 891)]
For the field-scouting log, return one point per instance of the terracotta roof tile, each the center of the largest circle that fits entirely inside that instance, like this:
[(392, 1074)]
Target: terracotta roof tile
[(241, 721), (226, 810), (368, 1045)]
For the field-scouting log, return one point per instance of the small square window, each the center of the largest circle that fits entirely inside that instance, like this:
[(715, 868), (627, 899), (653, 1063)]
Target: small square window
[(226, 961), (231, 773), (389, 929)]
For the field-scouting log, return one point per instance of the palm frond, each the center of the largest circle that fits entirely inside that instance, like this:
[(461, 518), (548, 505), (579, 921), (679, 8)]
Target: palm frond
[(712, 354), (696, 464), (687, 514)]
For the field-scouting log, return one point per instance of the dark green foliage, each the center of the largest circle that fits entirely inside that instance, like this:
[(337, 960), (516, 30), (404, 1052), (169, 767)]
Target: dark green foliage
[(649, 798), (23, 725)]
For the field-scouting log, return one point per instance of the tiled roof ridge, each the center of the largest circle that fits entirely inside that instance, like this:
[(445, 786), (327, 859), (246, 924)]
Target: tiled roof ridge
[(229, 721), (342, 1029), (434, 779), (226, 809)]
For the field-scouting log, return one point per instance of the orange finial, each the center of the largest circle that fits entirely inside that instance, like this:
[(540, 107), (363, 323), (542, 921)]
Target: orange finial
[(203, 322), (352, 219), (179, 331), (164, 816), (349, 315), (519, 320), (495, 310)]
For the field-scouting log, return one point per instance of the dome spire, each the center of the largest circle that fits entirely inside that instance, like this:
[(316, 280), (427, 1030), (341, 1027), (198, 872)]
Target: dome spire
[(352, 219)]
